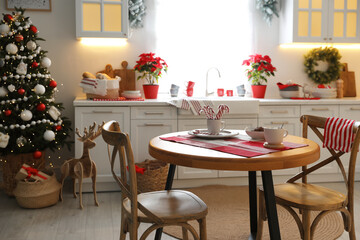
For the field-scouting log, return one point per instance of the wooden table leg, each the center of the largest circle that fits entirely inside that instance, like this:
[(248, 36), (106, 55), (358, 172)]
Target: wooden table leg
[(253, 205), (168, 186), (270, 205)]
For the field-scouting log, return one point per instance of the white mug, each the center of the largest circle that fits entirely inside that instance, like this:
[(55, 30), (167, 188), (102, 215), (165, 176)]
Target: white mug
[(215, 126), (275, 136)]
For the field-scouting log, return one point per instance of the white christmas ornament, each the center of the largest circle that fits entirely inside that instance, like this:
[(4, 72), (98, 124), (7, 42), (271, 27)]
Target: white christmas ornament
[(46, 62), (49, 135), (39, 89), (54, 112), (11, 88), (31, 45), (26, 115), (3, 92), (2, 62), (4, 28), (21, 68), (4, 140), (11, 48)]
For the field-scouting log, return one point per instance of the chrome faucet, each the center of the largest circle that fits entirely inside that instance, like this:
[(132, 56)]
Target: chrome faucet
[(207, 93)]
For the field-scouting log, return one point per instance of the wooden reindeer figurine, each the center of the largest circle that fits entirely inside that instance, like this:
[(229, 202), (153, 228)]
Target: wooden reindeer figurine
[(84, 167)]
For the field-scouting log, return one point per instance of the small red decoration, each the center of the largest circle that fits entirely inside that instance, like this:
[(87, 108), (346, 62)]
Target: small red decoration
[(19, 37), (34, 64), (33, 29), (58, 128), (53, 84), (7, 112), (21, 91), (40, 107), (37, 154), (8, 17)]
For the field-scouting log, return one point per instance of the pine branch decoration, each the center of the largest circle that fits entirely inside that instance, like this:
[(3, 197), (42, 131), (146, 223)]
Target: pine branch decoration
[(268, 8), (136, 13)]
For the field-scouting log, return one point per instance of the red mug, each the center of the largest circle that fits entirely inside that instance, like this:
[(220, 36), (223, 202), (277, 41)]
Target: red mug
[(229, 93), (189, 92), (190, 84), (220, 92)]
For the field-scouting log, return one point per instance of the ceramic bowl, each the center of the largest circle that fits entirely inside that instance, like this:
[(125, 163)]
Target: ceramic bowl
[(131, 94), (289, 94), (254, 134), (324, 93)]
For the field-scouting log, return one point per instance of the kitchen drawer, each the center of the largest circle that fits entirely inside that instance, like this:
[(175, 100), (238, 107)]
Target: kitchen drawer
[(350, 112), (279, 111), (321, 110), (153, 113)]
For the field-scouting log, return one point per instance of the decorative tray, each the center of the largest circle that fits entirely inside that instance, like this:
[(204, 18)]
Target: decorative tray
[(203, 133)]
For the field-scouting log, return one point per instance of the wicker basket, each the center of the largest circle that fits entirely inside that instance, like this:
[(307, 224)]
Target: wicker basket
[(154, 178), (38, 194), (11, 166)]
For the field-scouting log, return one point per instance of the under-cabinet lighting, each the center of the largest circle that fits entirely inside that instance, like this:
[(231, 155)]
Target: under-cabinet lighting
[(103, 42), (316, 45)]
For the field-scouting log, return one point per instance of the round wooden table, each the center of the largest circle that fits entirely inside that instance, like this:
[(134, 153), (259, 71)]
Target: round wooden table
[(196, 157)]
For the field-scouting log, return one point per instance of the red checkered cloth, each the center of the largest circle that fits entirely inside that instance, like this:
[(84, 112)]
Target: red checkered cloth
[(118, 99), (338, 134)]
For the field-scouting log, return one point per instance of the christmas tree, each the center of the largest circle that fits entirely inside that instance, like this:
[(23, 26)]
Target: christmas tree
[(30, 120)]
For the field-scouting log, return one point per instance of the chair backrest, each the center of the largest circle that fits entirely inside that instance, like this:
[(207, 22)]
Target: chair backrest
[(317, 125), (113, 136)]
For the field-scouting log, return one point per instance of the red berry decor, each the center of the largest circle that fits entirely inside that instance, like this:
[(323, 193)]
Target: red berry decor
[(40, 107), (8, 17), (7, 112), (21, 91), (19, 37), (58, 128), (37, 154), (33, 29), (34, 65), (53, 84)]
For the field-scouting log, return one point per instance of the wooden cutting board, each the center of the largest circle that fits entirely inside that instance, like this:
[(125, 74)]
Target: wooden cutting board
[(349, 82), (127, 76)]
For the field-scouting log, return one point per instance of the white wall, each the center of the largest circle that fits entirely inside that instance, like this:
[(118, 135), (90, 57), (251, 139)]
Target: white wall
[(70, 59)]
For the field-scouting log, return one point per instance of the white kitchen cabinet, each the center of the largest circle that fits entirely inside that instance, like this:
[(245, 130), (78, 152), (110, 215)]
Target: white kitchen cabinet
[(102, 18), (86, 116), (335, 21), (147, 123), (286, 116), (190, 124)]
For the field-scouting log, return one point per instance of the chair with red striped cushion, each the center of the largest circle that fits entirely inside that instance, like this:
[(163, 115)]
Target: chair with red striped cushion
[(338, 136)]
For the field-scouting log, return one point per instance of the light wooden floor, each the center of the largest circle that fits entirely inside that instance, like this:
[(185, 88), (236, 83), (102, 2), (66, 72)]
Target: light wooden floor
[(65, 221)]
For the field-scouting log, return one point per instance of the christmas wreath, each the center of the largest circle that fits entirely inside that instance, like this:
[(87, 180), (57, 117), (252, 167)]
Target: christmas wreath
[(328, 54)]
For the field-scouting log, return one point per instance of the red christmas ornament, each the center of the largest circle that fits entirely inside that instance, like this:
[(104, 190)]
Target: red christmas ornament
[(21, 91), (7, 113), (57, 128), (19, 37), (53, 84), (40, 107), (8, 17), (37, 154), (33, 29), (34, 64)]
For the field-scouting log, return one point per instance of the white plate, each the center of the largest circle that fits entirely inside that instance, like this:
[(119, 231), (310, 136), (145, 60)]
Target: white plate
[(203, 133)]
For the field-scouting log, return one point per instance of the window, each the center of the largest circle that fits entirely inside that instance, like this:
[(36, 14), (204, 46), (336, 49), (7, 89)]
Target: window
[(195, 35)]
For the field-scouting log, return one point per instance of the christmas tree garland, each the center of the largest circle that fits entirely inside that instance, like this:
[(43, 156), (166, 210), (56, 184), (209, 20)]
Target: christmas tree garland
[(328, 54)]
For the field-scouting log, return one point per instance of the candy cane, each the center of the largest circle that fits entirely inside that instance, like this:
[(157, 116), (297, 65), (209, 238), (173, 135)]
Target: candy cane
[(211, 112), (221, 110)]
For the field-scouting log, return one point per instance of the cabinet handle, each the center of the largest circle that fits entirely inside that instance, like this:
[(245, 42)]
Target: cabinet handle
[(355, 109), (154, 124), (285, 122), (154, 113), (330, 39), (277, 111), (325, 39), (99, 111), (320, 109)]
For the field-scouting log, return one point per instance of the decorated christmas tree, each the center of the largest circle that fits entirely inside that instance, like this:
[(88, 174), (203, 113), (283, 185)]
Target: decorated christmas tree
[(30, 119)]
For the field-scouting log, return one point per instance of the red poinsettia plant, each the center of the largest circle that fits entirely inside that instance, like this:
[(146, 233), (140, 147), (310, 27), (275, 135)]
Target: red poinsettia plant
[(260, 68), (150, 67)]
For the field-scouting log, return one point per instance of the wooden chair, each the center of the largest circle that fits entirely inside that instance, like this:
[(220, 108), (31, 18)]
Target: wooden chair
[(160, 208), (311, 197)]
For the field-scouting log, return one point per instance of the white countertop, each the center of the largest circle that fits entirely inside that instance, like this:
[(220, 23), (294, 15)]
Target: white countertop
[(82, 102)]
